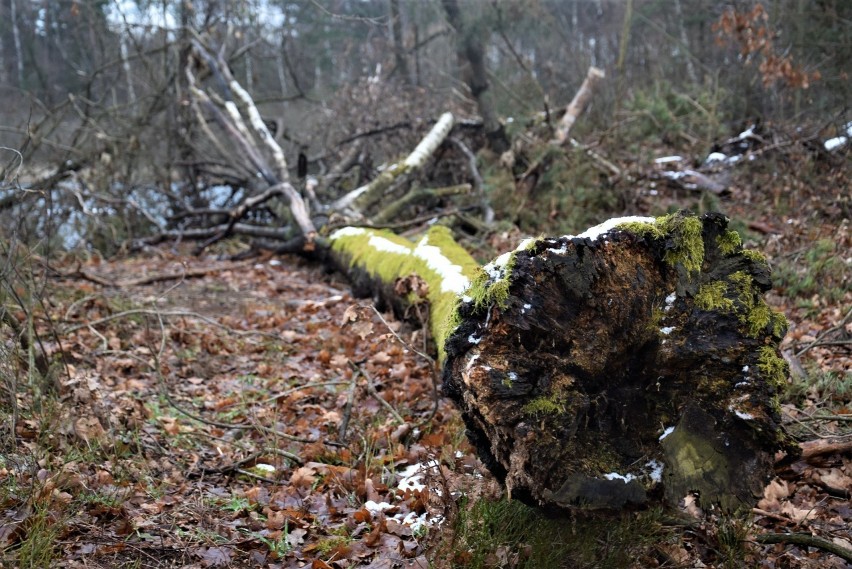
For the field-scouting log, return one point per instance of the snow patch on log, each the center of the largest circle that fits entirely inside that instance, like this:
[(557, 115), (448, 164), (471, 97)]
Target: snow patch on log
[(616, 476), (452, 279), (382, 244), (346, 232), (668, 159), (595, 232)]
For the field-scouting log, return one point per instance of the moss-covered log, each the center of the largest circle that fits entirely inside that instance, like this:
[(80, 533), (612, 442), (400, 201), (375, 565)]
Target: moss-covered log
[(374, 260), (633, 364)]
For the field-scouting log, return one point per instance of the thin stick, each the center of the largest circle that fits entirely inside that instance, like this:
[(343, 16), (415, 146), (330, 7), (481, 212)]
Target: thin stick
[(160, 313), (286, 392), (401, 341), (347, 410), (181, 275), (371, 389), (821, 447), (818, 341), (251, 458), (430, 360), (807, 540)]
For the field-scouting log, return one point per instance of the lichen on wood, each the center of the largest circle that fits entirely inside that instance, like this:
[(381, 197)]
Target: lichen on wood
[(632, 364)]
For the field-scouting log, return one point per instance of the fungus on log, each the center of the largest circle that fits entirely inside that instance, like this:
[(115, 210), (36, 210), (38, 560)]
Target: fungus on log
[(636, 363)]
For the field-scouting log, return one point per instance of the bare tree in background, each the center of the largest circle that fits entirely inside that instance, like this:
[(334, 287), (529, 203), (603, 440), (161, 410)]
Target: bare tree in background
[(471, 50)]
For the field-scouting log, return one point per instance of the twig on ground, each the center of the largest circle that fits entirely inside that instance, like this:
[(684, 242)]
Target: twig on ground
[(776, 517), (151, 279), (819, 341), (161, 313), (371, 389), (824, 418), (807, 540), (236, 466), (821, 447), (429, 360), (347, 410), (256, 476), (423, 355), (287, 392)]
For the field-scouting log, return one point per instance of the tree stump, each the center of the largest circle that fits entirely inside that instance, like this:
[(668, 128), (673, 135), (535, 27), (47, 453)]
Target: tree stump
[(632, 365)]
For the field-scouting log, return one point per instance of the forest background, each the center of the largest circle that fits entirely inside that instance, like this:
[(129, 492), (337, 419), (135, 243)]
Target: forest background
[(151, 381)]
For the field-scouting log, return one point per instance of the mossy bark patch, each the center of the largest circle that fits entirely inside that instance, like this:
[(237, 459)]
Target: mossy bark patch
[(568, 378), (375, 259)]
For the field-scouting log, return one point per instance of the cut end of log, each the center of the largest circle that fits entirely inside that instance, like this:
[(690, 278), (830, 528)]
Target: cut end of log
[(634, 364)]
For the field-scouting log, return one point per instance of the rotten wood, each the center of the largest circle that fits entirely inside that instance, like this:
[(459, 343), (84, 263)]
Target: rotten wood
[(627, 366)]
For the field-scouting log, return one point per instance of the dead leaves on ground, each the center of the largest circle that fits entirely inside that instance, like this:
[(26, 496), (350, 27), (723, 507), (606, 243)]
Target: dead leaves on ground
[(121, 471)]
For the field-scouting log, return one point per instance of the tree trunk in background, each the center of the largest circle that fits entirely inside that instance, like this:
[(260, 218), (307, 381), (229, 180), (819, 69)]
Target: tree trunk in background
[(684, 39), (4, 74), (624, 368), (622, 50), (280, 67), (398, 44), (183, 120), (472, 52), (125, 64), (16, 36)]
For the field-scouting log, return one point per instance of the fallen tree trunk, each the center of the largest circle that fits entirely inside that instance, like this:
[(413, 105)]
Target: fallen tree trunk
[(634, 364)]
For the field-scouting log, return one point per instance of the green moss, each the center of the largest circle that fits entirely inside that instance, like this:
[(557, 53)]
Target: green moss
[(729, 242), (388, 265), (738, 296), (484, 291), (779, 324), (755, 256), (543, 406), (688, 247), (711, 296), (656, 319), (757, 319), (684, 229), (643, 229), (773, 367), (533, 539)]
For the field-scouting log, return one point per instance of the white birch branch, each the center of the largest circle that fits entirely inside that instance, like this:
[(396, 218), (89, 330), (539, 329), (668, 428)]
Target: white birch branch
[(578, 104), (413, 162)]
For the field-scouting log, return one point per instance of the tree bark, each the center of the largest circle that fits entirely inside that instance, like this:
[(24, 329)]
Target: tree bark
[(472, 52), (398, 45), (16, 35), (627, 366)]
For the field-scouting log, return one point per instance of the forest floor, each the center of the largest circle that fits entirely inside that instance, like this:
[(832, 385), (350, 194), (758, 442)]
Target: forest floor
[(255, 414)]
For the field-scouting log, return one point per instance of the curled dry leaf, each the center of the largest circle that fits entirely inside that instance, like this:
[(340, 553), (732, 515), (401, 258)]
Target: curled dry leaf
[(412, 284), (358, 319), (89, 429), (214, 556), (304, 477)]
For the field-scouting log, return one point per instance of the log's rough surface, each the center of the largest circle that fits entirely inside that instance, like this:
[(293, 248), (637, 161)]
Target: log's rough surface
[(634, 364)]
